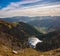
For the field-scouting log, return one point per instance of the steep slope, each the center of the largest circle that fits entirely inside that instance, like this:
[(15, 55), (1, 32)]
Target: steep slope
[(6, 51), (50, 41), (15, 35)]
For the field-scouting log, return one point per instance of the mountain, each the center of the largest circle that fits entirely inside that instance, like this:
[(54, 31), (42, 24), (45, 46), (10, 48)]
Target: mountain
[(50, 41), (27, 18), (17, 19), (46, 24), (15, 35)]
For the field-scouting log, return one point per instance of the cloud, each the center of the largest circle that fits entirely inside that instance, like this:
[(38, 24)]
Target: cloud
[(30, 1), (15, 9), (14, 5)]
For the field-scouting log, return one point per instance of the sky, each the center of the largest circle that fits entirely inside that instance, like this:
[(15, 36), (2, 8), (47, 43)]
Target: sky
[(12, 8)]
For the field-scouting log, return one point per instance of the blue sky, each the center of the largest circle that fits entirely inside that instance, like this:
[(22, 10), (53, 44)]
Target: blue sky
[(4, 3), (10, 8)]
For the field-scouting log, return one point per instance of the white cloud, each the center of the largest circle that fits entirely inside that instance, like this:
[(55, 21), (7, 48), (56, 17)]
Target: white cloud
[(14, 5), (36, 10), (30, 1)]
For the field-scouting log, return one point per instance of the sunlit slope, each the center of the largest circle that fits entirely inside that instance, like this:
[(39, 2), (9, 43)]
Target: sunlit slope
[(6, 51)]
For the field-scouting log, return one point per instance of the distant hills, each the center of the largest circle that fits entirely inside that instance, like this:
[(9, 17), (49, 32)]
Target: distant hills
[(28, 19), (41, 23), (47, 25), (17, 19)]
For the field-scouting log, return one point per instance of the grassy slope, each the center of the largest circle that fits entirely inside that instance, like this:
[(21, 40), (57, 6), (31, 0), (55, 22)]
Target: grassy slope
[(16, 34), (6, 51)]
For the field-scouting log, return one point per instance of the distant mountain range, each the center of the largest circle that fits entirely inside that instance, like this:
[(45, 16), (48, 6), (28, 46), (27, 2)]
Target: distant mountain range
[(46, 24), (41, 23), (17, 19), (28, 19)]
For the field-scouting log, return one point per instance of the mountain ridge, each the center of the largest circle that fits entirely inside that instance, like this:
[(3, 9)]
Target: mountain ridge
[(16, 34)]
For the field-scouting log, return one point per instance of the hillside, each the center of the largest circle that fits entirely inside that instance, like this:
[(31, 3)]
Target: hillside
[(50, 41), (15, 34), (28, 19), (46, 25), (6, 51)]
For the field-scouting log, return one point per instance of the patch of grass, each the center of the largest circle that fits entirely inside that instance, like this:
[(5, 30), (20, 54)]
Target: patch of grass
[(6, 51)]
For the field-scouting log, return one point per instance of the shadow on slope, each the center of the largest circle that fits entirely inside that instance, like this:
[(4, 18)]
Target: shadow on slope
[(50, 42)]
